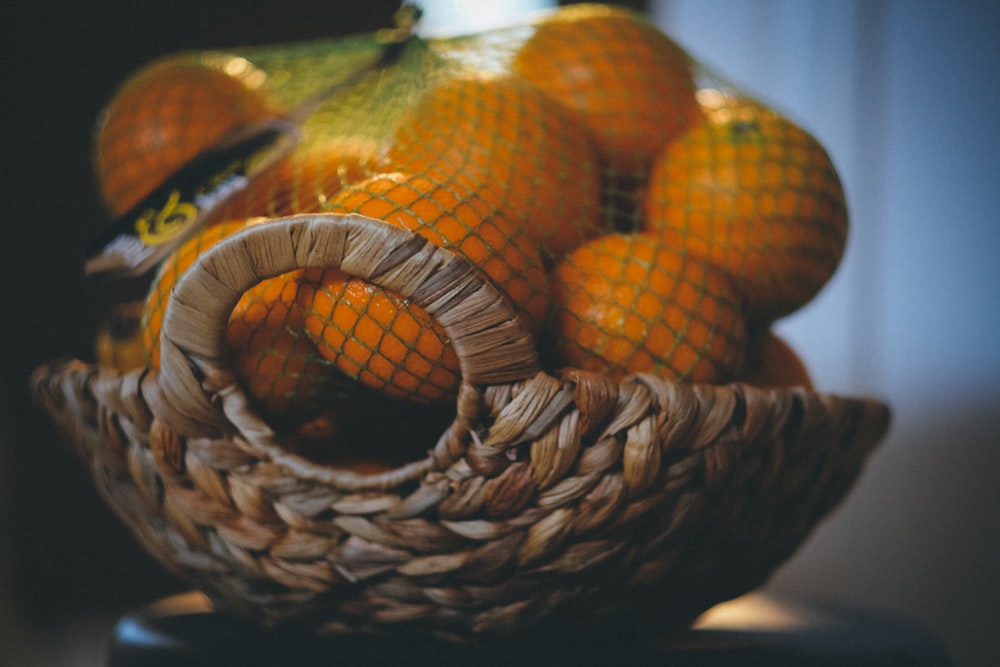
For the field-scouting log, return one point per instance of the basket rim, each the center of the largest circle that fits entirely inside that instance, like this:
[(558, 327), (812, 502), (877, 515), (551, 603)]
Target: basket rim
[(198, 391)]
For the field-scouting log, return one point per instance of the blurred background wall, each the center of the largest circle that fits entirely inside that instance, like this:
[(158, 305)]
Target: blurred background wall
[(67, 564), (903, 94)]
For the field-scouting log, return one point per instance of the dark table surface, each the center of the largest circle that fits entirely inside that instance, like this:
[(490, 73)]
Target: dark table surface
[(185, 631)]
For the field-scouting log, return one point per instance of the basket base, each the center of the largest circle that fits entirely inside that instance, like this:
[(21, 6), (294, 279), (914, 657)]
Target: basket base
[(185, 631)]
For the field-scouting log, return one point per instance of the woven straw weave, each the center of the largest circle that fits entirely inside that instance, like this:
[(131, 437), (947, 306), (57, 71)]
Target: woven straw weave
[(549, 497)]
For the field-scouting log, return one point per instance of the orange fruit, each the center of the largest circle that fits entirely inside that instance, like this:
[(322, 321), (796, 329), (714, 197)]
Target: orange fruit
[(758, 195), (377, 338), (118, 342), (166, 278), (627, 303), (772, 363), (382, 340), (501, 132), (276, 363), (629, 83), (165, 115), (304, 180)]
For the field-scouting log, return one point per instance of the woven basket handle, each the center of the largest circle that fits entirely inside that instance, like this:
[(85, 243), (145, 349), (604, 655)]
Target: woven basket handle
[(197, 387)]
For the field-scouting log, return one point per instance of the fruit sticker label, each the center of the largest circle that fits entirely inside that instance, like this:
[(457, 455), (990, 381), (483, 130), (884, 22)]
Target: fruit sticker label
[(140, 238), (155, 227)]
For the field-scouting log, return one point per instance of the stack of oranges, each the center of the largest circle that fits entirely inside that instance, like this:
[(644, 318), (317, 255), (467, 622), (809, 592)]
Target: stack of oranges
[(639, 220)]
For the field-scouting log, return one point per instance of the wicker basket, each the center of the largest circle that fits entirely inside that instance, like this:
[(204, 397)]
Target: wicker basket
[(550, 497)]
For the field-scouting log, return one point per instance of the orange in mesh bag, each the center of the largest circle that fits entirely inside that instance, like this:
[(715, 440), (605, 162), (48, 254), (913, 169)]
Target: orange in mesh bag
[(167, 114), (772, 362), (627, 303), (758, 196), (499, 132), (374, 336), (630, 84), (118, 342)]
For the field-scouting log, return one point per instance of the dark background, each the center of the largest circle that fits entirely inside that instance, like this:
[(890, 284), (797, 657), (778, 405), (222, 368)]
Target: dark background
[(66, 554), (63, 555)]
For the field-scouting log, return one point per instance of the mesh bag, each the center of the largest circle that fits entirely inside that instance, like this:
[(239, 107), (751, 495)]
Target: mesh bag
[(527, 149), (460, 337)]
